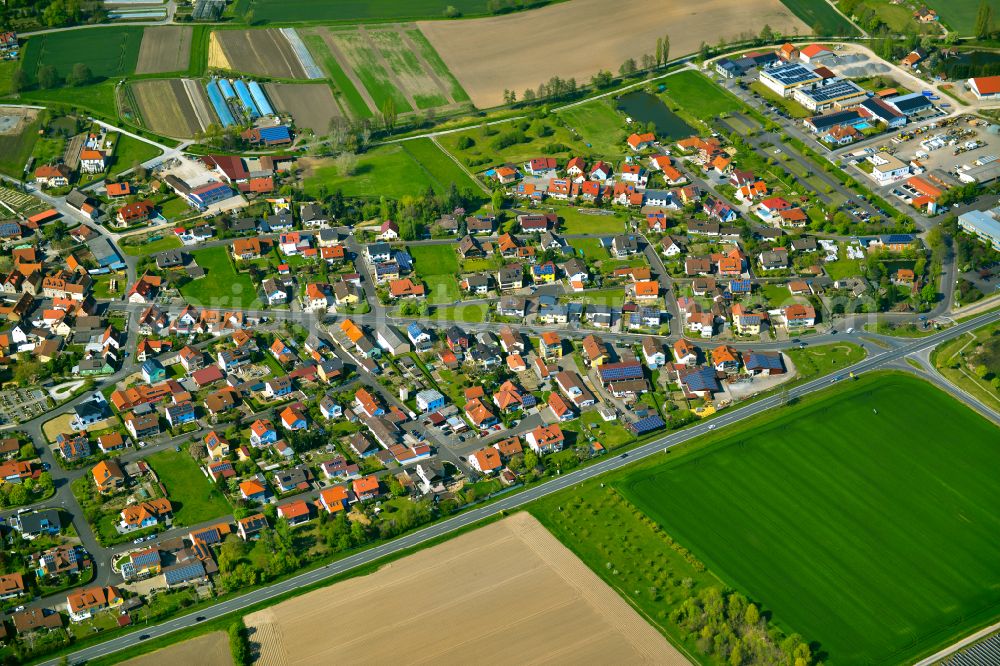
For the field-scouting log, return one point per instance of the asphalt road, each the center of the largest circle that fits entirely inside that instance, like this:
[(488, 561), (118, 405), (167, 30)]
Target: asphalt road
[(657, 447)]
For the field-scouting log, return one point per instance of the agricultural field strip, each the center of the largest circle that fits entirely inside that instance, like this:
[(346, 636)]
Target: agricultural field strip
[(341, 60), (164, 49), (562, 482)]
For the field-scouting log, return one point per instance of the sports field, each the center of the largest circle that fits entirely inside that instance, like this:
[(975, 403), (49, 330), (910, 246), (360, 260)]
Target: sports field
[(508, 592), (109, 52), (865, 521)]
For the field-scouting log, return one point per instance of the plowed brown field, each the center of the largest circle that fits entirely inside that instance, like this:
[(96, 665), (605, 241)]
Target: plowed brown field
[(507, 593), (581, 37)]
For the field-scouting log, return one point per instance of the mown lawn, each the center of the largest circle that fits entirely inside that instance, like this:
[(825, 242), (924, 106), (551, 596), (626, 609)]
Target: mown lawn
[(222, 286), (473, 313), (194, 498), (572, 221), (815, 361), (395, 171), (437, 266), (129, 152), (865, 520), (699, 96), (15, 149), (599, 124), (167, 242)]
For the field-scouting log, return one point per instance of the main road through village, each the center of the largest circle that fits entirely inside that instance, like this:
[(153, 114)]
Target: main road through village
[(887, 359)]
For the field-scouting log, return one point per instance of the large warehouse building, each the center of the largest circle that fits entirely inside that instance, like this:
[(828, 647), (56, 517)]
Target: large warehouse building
[(983, 224)]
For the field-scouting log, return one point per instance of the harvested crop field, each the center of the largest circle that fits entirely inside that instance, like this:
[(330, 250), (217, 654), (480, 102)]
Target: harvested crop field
[(262, 52), (172, 107), (164, 49), (208, 650), (312, 105), (505, 593), (553, 41)]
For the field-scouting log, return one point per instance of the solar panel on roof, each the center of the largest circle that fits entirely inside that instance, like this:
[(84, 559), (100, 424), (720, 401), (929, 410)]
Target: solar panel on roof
[(833, 91), (617, 372), (646, 424), (791, 74)]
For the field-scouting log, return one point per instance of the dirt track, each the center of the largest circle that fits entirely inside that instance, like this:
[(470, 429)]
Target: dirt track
[(208, 650), (576, 39), (506, 593)]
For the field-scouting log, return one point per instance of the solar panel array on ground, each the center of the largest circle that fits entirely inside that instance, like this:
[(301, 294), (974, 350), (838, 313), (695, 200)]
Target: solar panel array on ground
[(986, 653)]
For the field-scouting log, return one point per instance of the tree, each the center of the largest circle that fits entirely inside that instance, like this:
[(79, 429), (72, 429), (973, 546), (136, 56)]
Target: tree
[(984, 20), (388, 114), (48, 77), (628, 67), (238, 643), (766, 34), (497, 201), (346, 164), (80, 75), (659, 51), (27, 451), (603, 79), (20, 81), (666, 49), (752, 615), (530, 460)]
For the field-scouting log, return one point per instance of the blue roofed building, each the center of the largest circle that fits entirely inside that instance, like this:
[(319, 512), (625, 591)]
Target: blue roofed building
[(404, 261), (983, 225), (269, 136), (740, 286), (419, 337)]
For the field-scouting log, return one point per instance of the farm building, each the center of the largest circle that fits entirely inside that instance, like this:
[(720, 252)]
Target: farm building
[(269, 136)]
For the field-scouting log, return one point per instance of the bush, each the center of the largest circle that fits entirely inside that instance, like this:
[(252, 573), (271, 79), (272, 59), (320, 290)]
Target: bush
[(465, 142), (508, 139)]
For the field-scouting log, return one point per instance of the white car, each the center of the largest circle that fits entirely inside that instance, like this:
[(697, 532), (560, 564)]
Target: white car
[(711, 427)]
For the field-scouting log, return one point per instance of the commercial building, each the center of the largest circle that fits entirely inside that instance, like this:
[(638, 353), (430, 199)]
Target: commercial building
[(982, 224)]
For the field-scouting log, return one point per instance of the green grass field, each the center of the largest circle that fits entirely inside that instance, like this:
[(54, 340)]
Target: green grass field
[(395, 171), (814, 361), (959, 15), (572, 221), (954, 358), (222, 286), (194, 497), (98, 99), (541, 137), (699, 96), (15, 149), (865, 520), (822, 17), (283, 11), (109, 52), (168, 242), (129, 152), (473, 314), (599, 124), (590, 247), (437, 266), (7, 69)]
